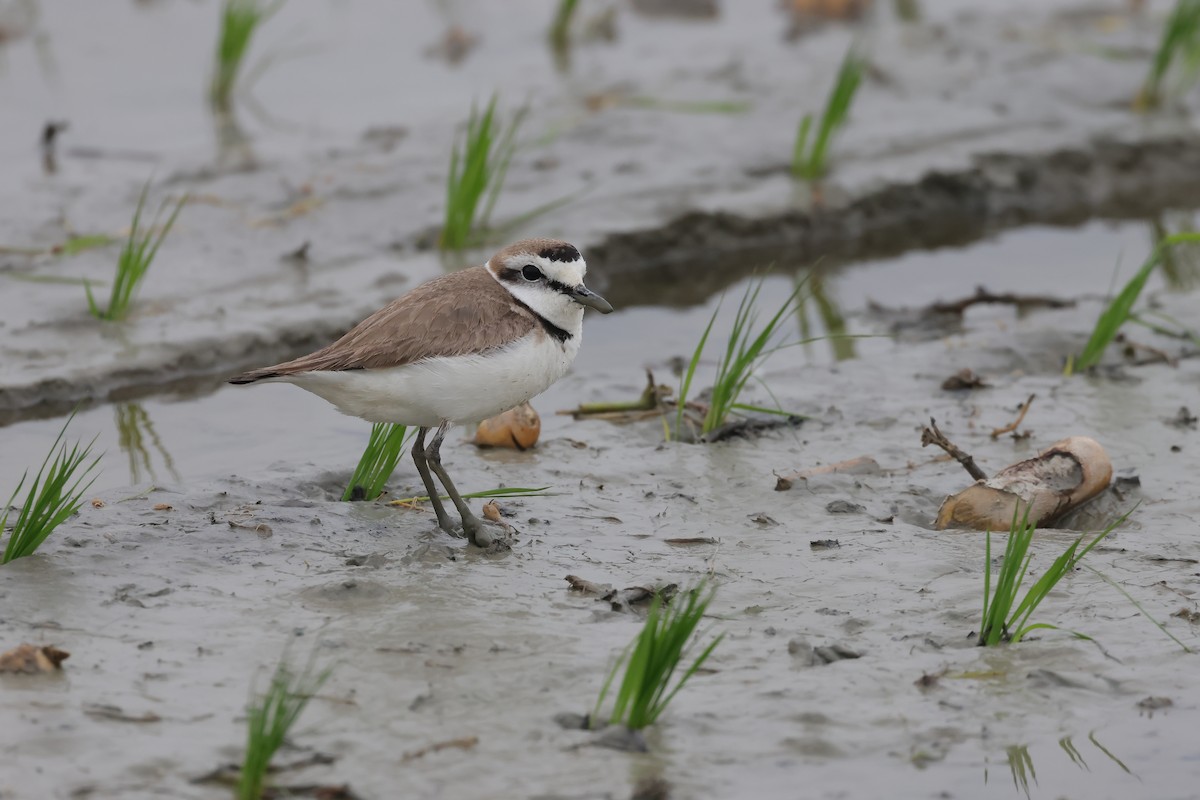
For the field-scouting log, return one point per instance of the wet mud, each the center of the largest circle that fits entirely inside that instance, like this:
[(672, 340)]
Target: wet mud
[(852, 664), (848, 666)]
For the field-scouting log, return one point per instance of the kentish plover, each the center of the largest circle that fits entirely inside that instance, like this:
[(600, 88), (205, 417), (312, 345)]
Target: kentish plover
[(456, 350)]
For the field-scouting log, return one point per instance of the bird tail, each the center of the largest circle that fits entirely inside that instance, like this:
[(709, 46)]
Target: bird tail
[(256, 375)]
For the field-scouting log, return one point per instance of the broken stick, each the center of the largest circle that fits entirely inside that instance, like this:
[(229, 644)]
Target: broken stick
[(931, 435)]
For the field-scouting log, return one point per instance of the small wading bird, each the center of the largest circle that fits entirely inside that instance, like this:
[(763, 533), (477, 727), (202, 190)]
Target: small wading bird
[(455, 350)]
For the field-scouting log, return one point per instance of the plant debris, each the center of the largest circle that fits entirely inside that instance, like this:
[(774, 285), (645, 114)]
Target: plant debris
[(461, 743), (1016, 423), (810, 656), (932, 435), (963, 380), (623, 599), (1064, 476), (984, 297), (1189, 615), (862, 465), (106, 711), (651, 403), (30, 659), (1183, 419)]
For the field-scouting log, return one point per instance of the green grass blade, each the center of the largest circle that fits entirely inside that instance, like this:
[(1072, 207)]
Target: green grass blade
[(685, 381), (1138, 606), (810, 163), (55, 494), (1121, 306), (652, 659), (378, 461), (269, 720), (799, 163)]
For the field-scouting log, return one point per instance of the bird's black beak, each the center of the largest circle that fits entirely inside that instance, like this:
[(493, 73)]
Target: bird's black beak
[(586, 297)]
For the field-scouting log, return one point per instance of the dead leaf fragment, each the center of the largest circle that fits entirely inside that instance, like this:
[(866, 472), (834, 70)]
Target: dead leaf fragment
[(462, 743), (117, 714), (30, 659), (862, 465), (963, 380), (163, 507)]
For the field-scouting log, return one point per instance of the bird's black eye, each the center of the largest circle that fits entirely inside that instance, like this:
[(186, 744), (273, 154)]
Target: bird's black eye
[(531, 273)]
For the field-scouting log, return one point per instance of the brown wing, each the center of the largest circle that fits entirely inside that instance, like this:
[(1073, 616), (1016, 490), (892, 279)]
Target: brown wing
[(463, 312)]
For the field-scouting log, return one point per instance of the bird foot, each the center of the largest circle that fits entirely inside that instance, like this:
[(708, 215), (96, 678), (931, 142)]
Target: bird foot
[(487, 535), (490, 536)]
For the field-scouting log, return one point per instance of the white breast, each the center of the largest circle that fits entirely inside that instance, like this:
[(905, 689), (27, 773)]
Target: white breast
[(458, 389)]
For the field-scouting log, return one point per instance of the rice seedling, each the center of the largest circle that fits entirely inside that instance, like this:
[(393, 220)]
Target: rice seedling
[(269, 719), (239, 20), (746, 348), (1005, 619), (1120, 308), (478, 165), (54, 495), (134, 261), (1179, 44), (560, 29), (809, 163), (378, 461), (652, 658)]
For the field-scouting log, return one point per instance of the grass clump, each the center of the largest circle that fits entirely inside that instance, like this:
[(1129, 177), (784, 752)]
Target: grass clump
[(478, 165), (239, 20), (746, 348), (269, 719), (378, 461), (1005, 619), (652, 658), (1178, 44), (809, 163), (134, 262), (1120, 309), (560, 29), (55, 494)]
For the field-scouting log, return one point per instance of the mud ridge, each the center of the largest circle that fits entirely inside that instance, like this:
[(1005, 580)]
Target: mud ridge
[(1064, 187)]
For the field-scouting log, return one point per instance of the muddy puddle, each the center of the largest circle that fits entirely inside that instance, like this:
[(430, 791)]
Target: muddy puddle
[(218, 543)]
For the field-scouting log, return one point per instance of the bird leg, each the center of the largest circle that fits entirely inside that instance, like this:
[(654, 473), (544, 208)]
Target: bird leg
[(472, 526), (418, 454)]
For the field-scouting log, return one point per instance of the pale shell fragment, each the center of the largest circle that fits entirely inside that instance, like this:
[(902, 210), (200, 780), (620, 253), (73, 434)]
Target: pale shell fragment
[(1059, 479)]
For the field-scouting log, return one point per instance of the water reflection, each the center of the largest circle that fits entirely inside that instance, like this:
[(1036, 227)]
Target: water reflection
[(1024, 774), (1181, 263), (828, 311), (136, 437)]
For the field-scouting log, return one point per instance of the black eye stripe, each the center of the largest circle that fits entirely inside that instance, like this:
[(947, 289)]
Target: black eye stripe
[(513, 275)]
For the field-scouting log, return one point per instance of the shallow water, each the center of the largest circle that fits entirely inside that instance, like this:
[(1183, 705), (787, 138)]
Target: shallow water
[(203, 430)]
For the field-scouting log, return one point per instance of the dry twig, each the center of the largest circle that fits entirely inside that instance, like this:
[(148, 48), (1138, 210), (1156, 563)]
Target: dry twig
[(1016, 423), (931, 435)]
